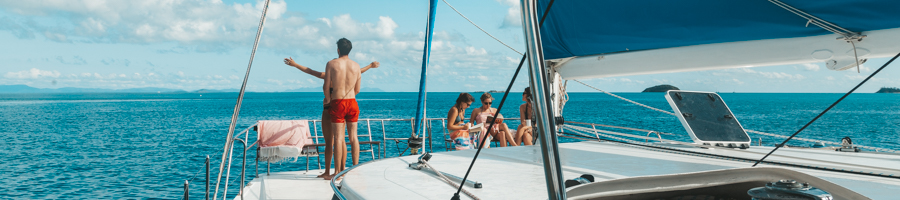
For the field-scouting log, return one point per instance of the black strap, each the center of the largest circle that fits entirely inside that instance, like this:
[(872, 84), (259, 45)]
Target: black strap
[(503, 100)]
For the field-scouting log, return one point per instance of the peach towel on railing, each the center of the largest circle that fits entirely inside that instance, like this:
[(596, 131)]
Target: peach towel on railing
[(282, 139)]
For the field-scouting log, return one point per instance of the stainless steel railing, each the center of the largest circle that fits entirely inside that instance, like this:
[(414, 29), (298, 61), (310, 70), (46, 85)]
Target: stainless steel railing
[(382, 151)]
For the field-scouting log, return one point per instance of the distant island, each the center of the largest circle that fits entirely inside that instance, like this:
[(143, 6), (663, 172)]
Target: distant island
[(889, 90), (319, 89), (660, 88)]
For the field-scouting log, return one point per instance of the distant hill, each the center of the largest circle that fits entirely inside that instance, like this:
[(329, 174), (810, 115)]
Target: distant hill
[(889, 90), (215, 91), (29, 89), (319, 89), (660, 88)]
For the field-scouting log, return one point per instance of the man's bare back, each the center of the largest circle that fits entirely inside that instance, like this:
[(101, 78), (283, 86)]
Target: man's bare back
[(342, 79)]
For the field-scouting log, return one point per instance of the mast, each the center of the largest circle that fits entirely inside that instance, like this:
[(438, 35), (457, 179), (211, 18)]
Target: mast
[(420, 105), (543, 106)]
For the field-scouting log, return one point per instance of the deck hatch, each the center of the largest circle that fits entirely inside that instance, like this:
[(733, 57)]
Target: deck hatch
[(707, 119)]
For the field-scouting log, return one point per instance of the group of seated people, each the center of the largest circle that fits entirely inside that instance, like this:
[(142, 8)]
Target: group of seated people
[(482, 117)]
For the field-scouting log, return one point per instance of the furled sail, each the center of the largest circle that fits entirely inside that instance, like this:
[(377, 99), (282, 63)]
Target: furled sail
[(592, 39)]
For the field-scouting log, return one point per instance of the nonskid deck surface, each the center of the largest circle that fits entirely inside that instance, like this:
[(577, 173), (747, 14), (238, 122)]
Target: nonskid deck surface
[(517, 172), (289, 185)]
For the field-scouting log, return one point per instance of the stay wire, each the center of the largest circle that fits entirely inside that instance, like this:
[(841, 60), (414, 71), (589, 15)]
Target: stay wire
[(827, 109), (499, 107), (479, 28)]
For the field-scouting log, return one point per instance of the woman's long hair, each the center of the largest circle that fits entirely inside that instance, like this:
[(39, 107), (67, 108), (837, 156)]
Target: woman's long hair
[(527, 94), (463, 98), (528, 105)]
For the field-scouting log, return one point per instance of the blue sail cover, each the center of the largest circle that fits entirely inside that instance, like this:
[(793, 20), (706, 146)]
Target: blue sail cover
[(580, 28)]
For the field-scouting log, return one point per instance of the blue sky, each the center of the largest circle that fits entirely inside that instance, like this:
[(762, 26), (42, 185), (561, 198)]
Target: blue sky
[(203, 44)]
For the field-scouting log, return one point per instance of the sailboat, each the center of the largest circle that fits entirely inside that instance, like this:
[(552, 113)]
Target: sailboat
[(595, 39)]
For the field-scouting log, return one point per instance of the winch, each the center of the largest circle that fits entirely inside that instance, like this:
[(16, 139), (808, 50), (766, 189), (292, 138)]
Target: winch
[(788, 190)]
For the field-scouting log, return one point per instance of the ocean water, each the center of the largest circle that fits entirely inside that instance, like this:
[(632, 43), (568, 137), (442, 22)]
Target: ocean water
[(144, 146)]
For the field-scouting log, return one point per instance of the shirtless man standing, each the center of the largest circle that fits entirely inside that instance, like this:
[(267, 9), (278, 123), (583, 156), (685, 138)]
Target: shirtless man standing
[(342, 83), (326, 118)]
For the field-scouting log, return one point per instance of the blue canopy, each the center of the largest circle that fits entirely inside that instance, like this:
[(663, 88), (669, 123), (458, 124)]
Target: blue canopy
[(580, 28)]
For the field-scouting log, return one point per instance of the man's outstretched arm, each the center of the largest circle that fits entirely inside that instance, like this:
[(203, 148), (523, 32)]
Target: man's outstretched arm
[(371, 65), (317, 74)]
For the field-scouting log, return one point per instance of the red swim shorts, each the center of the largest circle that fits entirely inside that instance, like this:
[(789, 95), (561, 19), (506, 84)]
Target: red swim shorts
[(344, 110)]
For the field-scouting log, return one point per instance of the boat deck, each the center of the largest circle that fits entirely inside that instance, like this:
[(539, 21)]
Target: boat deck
[(517, 172), (301, 185)]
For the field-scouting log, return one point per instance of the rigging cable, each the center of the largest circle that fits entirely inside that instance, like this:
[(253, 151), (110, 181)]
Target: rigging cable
[(499, 107), (827, 109), (847, 34), (482, 30), (237, 106)]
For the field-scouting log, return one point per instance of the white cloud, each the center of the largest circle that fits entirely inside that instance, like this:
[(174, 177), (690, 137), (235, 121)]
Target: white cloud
[(33, 73), (810, 67), (855, 77), (830, 78), (210, 25), (513, 18), (770, 75), (472, 51)]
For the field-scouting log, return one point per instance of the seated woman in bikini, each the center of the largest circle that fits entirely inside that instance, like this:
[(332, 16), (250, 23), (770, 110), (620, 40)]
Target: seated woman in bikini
[(500, 130), (524, 134), (460, 130)]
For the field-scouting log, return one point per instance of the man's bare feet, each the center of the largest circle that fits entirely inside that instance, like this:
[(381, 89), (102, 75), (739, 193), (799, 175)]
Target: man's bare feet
[(322, 175), (327, 176)]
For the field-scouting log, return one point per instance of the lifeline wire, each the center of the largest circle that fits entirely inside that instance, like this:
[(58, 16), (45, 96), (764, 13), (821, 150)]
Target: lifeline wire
[(748, 130), (827, 109), (481, 146)]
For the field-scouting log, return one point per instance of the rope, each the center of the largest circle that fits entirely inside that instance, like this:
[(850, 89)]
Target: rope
[(449, 181), (848, 35), (479, 28), (748, 130), (628, 100)]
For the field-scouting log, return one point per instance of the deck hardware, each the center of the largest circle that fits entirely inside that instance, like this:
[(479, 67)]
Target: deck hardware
[(186, 190), (788, 189), (847, 145), (583, 179), (648, 135), (207, 178)]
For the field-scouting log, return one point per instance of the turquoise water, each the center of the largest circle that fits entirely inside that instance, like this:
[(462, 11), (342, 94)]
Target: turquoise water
[(90, 146)]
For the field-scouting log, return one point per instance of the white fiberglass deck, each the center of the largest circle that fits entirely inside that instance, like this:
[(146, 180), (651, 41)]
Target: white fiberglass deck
[(289, 185), (517, 172)]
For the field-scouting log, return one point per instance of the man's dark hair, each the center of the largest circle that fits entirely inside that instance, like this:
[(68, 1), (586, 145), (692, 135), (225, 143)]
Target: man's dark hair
[(344, 46)]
